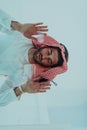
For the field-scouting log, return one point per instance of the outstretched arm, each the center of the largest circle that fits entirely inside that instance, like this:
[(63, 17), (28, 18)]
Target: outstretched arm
[(29, 29), (32, 86), (7, 24)]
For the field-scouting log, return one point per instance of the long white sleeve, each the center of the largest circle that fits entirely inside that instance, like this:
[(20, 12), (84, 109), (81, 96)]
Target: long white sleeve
[(7, 93), (5, 22), (13, 59), (7, 96), (14, 79)]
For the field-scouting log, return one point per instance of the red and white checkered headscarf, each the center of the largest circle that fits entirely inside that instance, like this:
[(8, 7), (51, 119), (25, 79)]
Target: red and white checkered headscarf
[(47, 73)]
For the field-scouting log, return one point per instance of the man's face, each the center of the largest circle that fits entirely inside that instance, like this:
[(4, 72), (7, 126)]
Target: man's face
[(46, 56)]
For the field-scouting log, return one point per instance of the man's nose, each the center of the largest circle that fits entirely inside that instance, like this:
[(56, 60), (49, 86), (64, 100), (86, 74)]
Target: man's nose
[(47, 56), (44, 56)]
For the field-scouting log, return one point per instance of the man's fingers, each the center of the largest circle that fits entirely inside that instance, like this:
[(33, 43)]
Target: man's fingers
[(42, 30), (42, 90), (36, 78), (46, 87), (35, 24), (42, 27), (46, 83)]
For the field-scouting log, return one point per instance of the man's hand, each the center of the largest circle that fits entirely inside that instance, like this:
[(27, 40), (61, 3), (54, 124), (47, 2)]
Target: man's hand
[(29, 30), (33, 86)]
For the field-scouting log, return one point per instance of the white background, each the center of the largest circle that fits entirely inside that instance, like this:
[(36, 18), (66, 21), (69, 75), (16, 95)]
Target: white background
[(67, 103)]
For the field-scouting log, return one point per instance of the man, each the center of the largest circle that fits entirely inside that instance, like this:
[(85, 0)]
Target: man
[(18, 56)]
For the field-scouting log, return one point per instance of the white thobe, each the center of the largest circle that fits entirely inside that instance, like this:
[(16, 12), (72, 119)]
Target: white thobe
[(14, 64)]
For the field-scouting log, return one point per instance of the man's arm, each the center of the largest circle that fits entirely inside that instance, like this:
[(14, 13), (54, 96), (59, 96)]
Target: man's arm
[(29, 29), (7, 23), (17, 91), (32, 86), (16, 25)]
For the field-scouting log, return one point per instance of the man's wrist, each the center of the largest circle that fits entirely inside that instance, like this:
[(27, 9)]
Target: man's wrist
[(23, 88), (16, 25), (17, 91)]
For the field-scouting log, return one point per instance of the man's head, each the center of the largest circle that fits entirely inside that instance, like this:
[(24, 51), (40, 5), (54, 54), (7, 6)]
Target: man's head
[(59, 57), (49, 56)]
